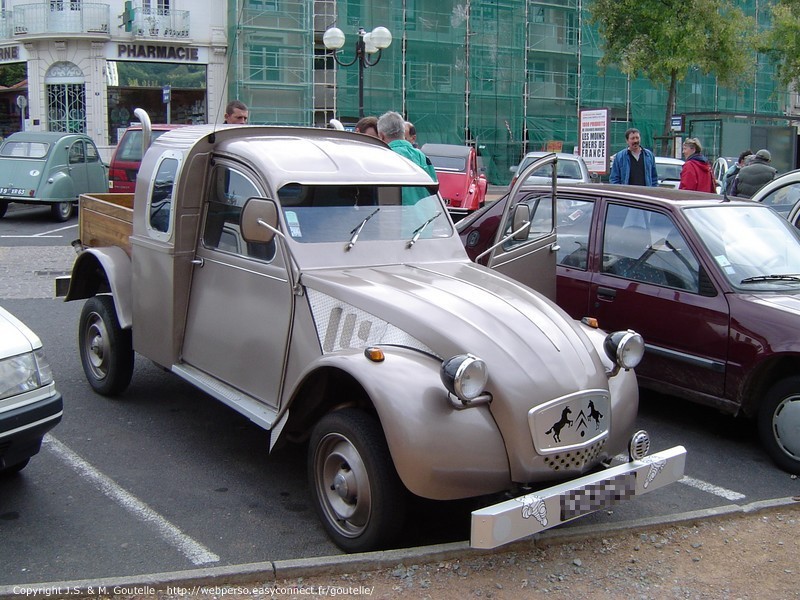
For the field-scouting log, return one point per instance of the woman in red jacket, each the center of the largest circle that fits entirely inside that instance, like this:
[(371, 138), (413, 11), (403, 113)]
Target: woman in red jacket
[(696, 172)]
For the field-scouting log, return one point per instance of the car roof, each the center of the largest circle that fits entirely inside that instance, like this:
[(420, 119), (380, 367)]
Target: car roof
[(669, 160), (663, 196), (155, 127), (559, 155), (453, 150), (48, 137)]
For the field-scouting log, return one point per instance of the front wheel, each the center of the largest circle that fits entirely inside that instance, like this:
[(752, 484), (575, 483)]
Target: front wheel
[(3, 208), (106, 349), (14, 469), (779, 424), (355, 487), (61, 211)]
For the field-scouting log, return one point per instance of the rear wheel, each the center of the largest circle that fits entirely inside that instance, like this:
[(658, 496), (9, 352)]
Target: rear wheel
[(62, 211), (106, 349), (3, 208), (356, 490), (13, 469), (779, 424)]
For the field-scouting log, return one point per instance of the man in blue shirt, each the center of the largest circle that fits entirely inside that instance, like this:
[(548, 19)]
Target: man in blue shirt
[(634, 165)]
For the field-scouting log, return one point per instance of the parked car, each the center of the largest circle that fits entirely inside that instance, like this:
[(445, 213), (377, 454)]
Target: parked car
[(669, 171), (128, 156), (782, 195), (461, 182), (711, 284), (720, 167), (30, 406), (49, 168), (571, 169)]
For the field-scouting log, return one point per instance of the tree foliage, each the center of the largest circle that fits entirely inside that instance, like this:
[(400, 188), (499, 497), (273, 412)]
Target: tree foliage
[(663, 40), (782, 41)]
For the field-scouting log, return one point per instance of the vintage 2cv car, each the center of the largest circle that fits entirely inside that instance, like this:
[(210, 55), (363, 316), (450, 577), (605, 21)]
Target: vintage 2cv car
[(461, 183), (347, 316), (50, 168)]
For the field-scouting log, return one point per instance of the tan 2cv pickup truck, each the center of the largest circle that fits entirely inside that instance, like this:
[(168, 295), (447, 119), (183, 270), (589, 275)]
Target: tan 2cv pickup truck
[(313, 281)]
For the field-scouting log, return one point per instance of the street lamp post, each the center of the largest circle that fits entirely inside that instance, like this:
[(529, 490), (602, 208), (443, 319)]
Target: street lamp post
[(377, 40)]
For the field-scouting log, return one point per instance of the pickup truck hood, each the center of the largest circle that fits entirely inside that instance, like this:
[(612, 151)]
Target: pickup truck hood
[(453, 308)]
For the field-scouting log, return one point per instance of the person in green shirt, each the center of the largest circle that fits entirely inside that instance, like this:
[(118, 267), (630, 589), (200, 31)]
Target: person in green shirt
[(392, 130)]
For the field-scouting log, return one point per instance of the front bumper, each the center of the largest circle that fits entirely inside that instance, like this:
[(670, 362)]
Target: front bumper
[(520, 517)]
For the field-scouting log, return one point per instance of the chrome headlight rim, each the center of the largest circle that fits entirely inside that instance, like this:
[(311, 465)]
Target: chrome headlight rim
[(625, 348), (464, 375)]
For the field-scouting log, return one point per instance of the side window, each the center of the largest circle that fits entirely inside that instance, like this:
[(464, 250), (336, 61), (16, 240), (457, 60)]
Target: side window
[(76, 153), (161, 194), (574, 222), (783, 199), (541, 211), (646, 246), (228, 192), (92, 156)]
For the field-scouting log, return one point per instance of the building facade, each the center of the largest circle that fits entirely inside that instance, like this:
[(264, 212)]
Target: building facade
[(508, 76), (70, 65)]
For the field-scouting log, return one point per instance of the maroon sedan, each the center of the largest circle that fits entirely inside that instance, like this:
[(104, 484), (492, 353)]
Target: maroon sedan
[(712, 285)]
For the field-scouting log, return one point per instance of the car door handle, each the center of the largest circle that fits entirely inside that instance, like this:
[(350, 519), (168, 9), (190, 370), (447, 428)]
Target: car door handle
[(555, 247), (608, 293), (198, 261)]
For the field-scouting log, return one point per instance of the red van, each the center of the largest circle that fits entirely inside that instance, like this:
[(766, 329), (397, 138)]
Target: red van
[(128, 156)]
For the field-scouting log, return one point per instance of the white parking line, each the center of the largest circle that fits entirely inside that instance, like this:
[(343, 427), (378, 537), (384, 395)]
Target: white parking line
[(699, 484), (193, 550), (711, 489), (44, 234)]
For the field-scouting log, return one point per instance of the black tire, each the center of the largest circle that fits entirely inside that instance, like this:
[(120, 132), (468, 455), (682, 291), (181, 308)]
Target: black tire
[(106, 349), (779, 424), (3, 208), (356, 491), (14, 469), (62, 211)]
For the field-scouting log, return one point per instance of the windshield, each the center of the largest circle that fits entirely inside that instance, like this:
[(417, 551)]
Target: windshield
[(25, 149), (361, 213), (449, 163), (753, 247)]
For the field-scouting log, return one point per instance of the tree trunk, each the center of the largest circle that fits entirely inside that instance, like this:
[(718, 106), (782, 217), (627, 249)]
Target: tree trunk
[(665, 141)]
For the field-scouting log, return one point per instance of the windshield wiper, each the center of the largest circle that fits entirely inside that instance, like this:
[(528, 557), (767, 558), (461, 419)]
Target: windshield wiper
[(418, 231), (357, 229), (779, 277)]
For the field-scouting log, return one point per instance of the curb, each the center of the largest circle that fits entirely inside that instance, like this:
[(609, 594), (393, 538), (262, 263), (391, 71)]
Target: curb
[(272, 571)]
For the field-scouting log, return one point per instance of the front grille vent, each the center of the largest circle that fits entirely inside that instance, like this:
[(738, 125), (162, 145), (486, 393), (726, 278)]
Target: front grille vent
[(577, 459)]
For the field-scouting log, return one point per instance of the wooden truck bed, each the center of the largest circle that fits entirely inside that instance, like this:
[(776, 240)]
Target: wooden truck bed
[(106, 220)]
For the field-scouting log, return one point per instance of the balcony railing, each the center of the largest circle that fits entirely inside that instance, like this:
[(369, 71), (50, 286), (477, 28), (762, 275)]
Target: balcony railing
[(61, 17), (160, 23)]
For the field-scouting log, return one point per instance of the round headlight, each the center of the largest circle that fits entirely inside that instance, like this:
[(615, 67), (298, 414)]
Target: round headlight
[(465, 376), (625, 348)]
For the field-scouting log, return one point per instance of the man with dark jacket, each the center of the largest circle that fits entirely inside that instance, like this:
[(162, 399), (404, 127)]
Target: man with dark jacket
[(634, 165), (754, 175)]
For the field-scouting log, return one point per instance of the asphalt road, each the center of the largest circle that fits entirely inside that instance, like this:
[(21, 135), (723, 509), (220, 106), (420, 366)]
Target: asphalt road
[(166, 478)]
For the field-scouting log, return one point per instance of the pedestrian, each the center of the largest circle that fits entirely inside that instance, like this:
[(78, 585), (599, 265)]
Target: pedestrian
[(392, 130), (733, 171), (411, 134), (367, 126), (754, 175), (696, 172), (634, 165), (236, 113)]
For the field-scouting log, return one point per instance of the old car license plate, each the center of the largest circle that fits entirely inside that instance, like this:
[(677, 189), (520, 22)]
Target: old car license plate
[(12, 191)]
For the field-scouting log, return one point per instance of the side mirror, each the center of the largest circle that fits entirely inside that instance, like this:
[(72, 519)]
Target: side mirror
[(259, 220), (521, 222)]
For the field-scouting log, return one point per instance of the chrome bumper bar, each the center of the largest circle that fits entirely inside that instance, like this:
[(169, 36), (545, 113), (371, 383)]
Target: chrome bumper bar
[(523, 516)]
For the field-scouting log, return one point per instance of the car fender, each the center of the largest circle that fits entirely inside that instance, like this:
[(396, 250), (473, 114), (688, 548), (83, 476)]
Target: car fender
[(439, 452), (104, 270), (57, 185)]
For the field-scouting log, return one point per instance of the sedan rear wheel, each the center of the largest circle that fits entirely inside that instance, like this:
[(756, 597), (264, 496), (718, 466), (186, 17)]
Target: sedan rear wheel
[(779, 424), (61, 211)]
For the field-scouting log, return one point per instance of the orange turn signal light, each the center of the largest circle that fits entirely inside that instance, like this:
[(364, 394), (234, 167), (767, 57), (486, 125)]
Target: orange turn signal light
[(591, 322), (374, 354)]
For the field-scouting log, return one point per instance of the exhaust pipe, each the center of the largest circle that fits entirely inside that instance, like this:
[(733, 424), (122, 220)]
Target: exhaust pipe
[(147, 128)]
